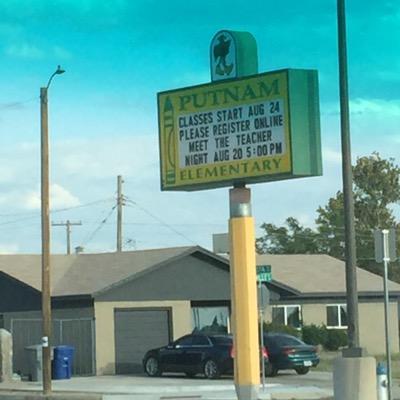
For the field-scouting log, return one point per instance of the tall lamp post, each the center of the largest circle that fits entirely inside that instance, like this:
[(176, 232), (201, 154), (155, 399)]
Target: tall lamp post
[(350, 235), (45, 211)]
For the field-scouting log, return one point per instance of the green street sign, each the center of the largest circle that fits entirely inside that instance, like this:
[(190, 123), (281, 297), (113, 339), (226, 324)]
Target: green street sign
[(264, 273)]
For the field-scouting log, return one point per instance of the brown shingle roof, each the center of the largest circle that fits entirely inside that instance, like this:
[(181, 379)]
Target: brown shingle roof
[(86, 273), (319, 274)]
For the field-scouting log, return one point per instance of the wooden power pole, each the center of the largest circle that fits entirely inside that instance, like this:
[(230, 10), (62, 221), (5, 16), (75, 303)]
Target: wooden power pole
[(68, 225), (120, 203), (45, 231)]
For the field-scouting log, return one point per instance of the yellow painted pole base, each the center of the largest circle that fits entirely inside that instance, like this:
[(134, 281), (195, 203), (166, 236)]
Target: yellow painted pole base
[(244, 307)]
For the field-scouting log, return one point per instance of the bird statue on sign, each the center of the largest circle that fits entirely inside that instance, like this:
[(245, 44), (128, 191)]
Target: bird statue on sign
[(221, 50)]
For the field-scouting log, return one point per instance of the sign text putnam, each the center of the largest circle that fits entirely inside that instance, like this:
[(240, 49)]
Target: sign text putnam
[(228, 95)]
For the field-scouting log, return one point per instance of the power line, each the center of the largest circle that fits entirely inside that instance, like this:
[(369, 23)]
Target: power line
[(101, 224), (19, 220), (81, 206), (36, 214), (159, 220), (17, 104)]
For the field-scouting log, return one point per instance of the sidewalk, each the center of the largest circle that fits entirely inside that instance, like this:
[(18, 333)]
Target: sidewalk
[(140, 388)]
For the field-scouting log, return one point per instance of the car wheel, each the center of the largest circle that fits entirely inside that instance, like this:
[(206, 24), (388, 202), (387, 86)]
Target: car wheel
[(152, 367), (271, 370), (302, 370), (211, 369)]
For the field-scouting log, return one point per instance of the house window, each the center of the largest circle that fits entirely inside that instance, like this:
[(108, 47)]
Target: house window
[(336, 316), (210, 319), (287, 315)]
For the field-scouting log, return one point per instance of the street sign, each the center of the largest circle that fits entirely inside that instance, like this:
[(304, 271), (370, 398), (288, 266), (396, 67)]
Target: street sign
[(385, 245), (264, 273), (263, 297), (254, 129)]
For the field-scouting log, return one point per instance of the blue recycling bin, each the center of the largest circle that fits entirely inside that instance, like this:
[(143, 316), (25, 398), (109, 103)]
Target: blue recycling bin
[(62, 362)]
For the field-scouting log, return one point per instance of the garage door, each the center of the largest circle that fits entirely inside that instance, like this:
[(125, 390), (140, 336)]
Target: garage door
[(137, 331)]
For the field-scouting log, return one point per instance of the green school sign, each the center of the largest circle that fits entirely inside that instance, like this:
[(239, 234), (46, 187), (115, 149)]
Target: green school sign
[(260, 128)]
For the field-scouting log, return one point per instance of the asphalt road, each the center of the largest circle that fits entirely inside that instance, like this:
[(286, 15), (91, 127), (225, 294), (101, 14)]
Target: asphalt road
[(127, 387)]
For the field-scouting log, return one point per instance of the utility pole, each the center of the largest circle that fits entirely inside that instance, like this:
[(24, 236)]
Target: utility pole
[(120, 203), (348, 200), (45, 230), (354, 374), (68, 225)]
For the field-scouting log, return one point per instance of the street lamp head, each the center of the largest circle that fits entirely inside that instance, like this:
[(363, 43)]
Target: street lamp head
[(59, 70)]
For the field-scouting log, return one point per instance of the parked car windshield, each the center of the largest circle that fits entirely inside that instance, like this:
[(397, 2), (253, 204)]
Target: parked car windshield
[(285, 341)]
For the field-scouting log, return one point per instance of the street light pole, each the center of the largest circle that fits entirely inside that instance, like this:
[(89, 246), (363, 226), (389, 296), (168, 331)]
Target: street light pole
[(350, 246), (45, 213)]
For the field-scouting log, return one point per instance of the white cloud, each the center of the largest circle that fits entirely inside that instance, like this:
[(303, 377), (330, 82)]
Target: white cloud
[(7, 174), (29, 51), (85, 170), (9, 248), (331, 155), (59, 198), (61, 53), (103, 158), (24, 50), (365, 107), (382, 108)]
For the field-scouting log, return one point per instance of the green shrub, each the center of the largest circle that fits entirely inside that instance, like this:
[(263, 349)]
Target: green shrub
[(271, 327), (336, 338), (314, 335)]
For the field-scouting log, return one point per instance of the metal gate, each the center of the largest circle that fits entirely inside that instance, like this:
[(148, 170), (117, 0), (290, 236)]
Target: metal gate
[(78, 333)]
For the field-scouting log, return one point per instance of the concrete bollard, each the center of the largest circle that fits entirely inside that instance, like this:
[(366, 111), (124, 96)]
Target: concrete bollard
[(6, 369), (382, 382), (354, 378)]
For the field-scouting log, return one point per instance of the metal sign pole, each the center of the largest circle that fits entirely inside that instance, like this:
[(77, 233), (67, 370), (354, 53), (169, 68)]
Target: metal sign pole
[(385, 237), (244, 295), (262, 334)]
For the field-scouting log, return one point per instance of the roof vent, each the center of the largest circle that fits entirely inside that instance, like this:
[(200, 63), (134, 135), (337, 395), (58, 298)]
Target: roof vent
[(79, 249)]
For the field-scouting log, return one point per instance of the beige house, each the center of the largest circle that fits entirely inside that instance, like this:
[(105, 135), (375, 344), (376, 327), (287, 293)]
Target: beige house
[(112, 307), (312, 291)]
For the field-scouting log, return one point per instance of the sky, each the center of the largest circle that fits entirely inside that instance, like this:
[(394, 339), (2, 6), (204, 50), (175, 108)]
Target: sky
[(103, 111)]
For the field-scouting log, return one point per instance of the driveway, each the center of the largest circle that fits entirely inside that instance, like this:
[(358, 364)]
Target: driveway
[(123, 387)]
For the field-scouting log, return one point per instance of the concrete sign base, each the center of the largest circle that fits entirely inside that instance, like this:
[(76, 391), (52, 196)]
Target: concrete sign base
[(354, 378), (6, 370)]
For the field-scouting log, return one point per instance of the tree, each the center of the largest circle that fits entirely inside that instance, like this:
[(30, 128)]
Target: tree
[(330, 226), (376, 189), (294, 239)]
